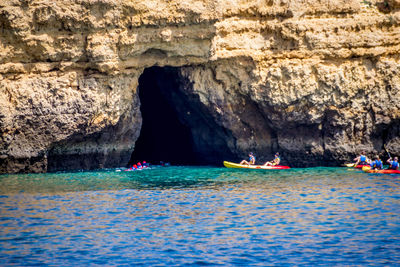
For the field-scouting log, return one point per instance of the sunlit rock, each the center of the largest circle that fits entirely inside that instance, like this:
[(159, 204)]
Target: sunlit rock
[(316, 80)]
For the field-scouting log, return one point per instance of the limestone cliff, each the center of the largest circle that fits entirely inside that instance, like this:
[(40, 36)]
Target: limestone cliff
[(317, 80)]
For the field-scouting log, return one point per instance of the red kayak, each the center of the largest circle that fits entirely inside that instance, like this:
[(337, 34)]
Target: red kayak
[(368, 170)]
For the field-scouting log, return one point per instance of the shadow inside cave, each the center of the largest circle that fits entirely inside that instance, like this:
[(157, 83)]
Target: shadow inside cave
[(162, 137), (176, 127)]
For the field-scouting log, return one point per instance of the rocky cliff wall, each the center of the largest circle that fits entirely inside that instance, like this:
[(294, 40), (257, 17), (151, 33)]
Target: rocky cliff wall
[(317, 80)]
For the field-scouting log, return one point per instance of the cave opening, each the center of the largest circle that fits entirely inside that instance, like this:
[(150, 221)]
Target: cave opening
[(163, 137)]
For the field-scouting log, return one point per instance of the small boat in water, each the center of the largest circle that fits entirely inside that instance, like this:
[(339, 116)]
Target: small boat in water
[(352, 165), (386, 171), (254, 167)]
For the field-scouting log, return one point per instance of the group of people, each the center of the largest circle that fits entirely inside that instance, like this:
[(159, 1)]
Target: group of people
[(376, 163), (139, 166), (252, 160), (144, 165)]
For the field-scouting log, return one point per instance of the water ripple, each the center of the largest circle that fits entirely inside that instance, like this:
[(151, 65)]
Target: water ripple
[(200, 216)]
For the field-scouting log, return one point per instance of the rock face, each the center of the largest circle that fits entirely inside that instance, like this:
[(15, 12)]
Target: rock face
[(317, 80)]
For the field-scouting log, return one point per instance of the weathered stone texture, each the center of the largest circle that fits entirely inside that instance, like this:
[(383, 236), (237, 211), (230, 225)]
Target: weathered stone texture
[(317, 79)]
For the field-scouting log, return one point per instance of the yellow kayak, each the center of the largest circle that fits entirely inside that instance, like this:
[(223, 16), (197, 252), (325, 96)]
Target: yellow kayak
[(366, 168), (349, 165), (256, 167), (352, 165)]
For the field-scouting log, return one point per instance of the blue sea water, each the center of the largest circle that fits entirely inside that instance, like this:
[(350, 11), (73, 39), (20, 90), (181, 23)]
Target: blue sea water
[(183, 216)]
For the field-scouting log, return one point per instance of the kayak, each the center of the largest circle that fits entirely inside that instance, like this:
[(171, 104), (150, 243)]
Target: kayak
[(361, 166), (368, 170), (351, 165), (256, 167), (132, 169)]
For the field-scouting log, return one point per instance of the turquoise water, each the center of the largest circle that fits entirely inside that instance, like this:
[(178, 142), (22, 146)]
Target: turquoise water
[(200, 216)]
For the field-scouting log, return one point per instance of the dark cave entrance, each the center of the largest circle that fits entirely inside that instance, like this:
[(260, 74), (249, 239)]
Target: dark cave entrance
[(163, 137)]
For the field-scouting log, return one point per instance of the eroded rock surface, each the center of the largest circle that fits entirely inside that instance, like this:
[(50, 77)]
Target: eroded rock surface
[(317, 80)]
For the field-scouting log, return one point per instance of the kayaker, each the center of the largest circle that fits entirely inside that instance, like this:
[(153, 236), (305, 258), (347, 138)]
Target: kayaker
[(393, 164), (376, 164), (252, 160), (133, 168), (275, 161), (362, 159)]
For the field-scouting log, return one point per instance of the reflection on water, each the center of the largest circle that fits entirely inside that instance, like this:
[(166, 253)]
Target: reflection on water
[(183, 215)]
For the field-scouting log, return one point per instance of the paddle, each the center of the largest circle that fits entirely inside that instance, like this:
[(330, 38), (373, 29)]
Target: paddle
[(384, 146), (355, 153), (349, 165)]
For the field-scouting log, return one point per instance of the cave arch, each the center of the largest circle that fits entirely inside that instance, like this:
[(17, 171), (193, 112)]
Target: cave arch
[(176, 128), (163, 137)]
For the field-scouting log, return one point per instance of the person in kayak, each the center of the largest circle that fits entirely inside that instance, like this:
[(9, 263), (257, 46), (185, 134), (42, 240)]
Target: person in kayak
[(275, 161), (252, 160), (376, 164), (393, 164), (362, 159), (133, 168)]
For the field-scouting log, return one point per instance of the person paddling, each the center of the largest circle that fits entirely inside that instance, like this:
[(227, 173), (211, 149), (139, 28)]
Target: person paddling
[(362, 159), (252, 160), (133, 168), (376, 164), (393, 164), (275, 161)]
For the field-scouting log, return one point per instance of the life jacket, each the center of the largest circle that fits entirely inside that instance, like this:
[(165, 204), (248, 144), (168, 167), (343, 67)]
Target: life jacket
[(252, 157), (376, 164), (363, 158), (394, 165)]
